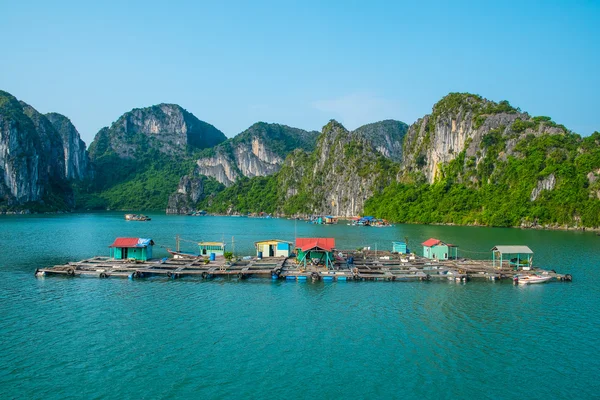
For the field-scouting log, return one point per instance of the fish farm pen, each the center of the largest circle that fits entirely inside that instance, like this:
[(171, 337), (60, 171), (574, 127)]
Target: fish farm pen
[(354, 265)]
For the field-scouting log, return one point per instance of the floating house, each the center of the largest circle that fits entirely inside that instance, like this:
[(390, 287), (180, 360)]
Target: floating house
[(365, 221), (435, 249), (216, 248), (516, 256), (318, 251), (273, 248), (330, 220), (399, 247), (131, 248)]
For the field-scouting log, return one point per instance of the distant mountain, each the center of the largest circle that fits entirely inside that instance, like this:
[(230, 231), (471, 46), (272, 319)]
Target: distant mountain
[(166, 128), (475, 161), (337, 177), (34, 169), (77, 163), (386, 136), (139, 160), (257, 151)]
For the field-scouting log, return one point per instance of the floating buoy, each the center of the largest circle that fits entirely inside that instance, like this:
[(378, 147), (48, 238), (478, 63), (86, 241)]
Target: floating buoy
[(39, 274), (103, 275), (70, 272), (568, 278), (204, 275)]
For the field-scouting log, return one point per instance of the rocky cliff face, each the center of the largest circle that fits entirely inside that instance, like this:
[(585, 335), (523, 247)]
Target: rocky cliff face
[(167, 128), (189, 192), (32, 159), (338, 177), (466, 126), (386, 136), (77, 165), (258, 151)]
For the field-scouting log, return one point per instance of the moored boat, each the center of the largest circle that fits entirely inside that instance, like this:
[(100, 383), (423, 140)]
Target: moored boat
[(183, 254), (136, 217), (531, 279)]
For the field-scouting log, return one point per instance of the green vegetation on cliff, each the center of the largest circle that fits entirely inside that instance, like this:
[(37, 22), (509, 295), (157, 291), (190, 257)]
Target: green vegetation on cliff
[(335, 178), (499, 193)]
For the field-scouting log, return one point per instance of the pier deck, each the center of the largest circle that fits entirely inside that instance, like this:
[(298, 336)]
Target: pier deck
[(366, 266)]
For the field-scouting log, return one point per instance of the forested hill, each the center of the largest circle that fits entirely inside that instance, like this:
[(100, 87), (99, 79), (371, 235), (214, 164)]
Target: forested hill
[(344, 170), (473, 161)]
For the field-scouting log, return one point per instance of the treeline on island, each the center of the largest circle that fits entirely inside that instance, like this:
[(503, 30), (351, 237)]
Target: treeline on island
[(470, 162)]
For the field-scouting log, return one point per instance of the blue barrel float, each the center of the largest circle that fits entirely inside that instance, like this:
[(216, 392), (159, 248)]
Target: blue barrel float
[(213, 256)]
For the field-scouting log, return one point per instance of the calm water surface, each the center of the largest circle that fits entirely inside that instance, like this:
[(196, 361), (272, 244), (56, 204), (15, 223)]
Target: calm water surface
[(157, 338)]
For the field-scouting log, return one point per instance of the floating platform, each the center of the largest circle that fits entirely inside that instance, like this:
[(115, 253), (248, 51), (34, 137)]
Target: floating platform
[(366, 267)]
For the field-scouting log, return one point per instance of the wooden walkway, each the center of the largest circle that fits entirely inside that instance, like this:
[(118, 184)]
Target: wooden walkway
[(365, 267)]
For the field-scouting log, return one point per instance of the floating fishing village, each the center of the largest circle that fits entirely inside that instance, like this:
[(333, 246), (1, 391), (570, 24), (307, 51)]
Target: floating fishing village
[(315, 259)]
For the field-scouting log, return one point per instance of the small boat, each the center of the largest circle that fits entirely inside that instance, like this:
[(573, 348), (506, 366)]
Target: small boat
[(531, 279), (136, 217), (183, 255)]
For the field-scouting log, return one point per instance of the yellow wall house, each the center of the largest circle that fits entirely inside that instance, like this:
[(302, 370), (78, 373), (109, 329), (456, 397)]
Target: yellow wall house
[(273, 248), (206, 248)]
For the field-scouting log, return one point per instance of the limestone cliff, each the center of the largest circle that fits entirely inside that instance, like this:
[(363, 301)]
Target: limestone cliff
[(77, 165), (167, 128), (345, 170), (386, 136), (467, 126), (189, 192), (258, 151), (32, 160)]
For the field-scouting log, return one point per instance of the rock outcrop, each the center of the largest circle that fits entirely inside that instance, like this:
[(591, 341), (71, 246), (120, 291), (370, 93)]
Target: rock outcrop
[(189, 193), (342, 173), (166, 128), (467, 126), (258, 151), (547, 183), (77, 163), (32, 159), (386, 136)]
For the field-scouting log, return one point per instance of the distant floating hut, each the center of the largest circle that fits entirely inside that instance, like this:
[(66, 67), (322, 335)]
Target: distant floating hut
[(273, 248), (330, 220), (216, 248), (435, 249), (131, 248), (318, 251)]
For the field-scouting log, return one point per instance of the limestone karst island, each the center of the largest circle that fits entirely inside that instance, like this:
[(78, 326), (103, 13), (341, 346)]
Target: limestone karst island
[(300, 200)]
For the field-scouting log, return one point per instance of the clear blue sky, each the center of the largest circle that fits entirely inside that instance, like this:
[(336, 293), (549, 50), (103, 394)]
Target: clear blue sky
[(300, 63)]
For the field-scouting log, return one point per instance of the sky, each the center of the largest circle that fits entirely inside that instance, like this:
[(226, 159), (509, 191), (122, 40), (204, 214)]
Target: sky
[(300, 63)]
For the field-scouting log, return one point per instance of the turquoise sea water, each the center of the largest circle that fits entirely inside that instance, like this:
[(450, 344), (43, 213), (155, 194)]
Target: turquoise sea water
[(158, 338)]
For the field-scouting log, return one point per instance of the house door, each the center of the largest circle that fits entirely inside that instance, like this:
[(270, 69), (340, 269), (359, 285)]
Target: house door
[(271, 251), (124, 253), (445, 256)]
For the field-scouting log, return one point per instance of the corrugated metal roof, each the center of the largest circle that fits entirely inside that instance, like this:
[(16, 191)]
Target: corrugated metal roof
[(513, 249), (431, 242), (211, 244), (272, 240), (305, 244), (132, 242)]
